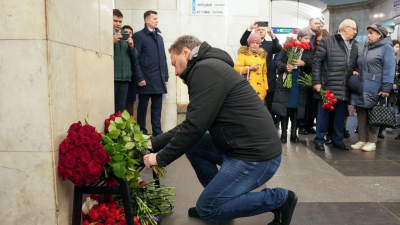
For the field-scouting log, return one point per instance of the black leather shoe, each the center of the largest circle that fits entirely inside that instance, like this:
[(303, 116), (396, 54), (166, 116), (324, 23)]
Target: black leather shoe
[(381, 136), (283, 215), (398, 137), (303, 131), (346, 134), (341, 146), (319, 146), (193, 213), (311, 130), (328, 140), (356, 131)]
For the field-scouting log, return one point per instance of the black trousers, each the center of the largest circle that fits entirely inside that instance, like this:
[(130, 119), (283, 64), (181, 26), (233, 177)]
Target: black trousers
[(268, 102), (156, 106), (120, 95), (311, 111)]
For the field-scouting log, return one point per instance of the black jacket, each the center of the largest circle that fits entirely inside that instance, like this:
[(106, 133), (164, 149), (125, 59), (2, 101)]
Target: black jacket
[(152, 63), (271, 47), (331, 67), (223, 103), (281, 96)]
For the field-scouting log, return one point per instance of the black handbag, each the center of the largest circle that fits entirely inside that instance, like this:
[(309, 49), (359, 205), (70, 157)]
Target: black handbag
[(382, 115)]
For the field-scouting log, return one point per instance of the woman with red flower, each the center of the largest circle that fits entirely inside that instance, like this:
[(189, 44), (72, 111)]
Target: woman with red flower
[(290, 102)]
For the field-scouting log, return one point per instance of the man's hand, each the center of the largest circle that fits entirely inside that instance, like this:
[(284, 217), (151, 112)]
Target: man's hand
[(299, 62), (397, 74), (270, 33), (149, 143), (117, 37), (355, 73), (289, 68), (150, 160), (254, 25), (166, 83), (142, 83), (266, 92), (383, 94), (254, 67), (130, 43), (317, 87)]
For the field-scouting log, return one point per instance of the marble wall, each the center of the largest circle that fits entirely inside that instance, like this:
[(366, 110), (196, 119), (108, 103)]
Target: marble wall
[(175, 20), (56, 67)]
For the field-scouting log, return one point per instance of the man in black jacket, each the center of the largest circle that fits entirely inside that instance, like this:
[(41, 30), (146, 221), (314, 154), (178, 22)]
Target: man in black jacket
[(271, 47), (334, 63), (241, 139)]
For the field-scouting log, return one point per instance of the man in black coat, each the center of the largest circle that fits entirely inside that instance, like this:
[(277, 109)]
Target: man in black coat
[(151, 72), (271, 47), (334, 63), (225, 105)]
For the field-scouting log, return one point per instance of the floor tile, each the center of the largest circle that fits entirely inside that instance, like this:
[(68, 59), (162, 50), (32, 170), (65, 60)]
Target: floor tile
[(392, 207), (366, 168)]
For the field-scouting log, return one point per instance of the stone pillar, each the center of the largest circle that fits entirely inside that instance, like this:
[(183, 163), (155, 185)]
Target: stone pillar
[(56, 67)]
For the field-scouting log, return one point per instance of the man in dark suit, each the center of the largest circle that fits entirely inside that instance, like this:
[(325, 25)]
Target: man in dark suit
[(271, 47), (151, 72)]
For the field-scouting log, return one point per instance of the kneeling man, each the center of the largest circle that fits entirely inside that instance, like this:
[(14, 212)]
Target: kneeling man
[(242, 138)]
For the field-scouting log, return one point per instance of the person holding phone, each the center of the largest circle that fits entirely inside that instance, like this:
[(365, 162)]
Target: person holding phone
[(124, 54), (271, 47), (251, 64)]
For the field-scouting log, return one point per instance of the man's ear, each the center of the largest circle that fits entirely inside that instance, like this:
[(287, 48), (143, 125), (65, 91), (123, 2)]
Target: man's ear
[(186, 51)]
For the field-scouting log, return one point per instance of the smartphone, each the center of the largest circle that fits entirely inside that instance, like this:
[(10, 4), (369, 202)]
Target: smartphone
[(263, 24), (125, 36)]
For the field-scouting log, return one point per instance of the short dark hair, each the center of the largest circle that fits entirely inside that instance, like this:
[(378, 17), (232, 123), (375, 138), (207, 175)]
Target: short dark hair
[(148, 13), (127, 27), (117, 13), (395, 42)]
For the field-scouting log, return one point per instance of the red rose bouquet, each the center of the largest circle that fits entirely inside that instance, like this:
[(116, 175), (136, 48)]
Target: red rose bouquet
[(294, 49), (81, 155), (102, 210), (327, 97)]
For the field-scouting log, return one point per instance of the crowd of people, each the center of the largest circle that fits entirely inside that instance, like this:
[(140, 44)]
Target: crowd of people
[(229, 134)]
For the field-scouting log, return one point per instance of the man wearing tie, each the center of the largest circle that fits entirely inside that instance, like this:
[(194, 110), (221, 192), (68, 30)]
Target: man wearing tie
[(151, 72)]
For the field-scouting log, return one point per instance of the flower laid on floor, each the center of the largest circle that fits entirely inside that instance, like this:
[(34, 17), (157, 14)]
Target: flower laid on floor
[(124, 142), (294, 49), (151, 202), (81, 155), (105, 212), (327, 97)]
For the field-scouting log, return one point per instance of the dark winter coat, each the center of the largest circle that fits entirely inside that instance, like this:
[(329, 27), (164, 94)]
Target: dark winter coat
[(376, 67), (152, 63), (281, 96), (223, 103), (333, 67), (123, 58), (271, 47)]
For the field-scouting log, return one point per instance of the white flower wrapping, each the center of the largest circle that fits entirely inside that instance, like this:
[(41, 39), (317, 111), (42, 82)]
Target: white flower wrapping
[(88, 205)]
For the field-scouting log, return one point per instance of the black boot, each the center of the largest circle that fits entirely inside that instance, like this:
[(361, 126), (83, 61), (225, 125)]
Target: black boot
[(380, 134), (284, 126), (293, 132)]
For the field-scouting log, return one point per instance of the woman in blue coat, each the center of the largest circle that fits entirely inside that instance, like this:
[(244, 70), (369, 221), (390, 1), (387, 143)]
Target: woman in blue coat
[(376, 69)]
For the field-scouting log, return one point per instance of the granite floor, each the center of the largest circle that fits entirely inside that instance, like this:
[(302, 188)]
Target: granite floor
[(334, 187)]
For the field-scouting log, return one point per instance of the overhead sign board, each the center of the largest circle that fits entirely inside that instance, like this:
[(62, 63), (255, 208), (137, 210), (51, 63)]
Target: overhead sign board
[(282, 30), (208, 7)]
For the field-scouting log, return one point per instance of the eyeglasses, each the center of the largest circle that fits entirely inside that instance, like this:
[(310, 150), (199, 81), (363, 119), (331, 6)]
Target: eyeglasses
[(354, 28)]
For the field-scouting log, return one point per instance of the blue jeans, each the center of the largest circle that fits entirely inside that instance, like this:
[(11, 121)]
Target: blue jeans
[(226, 194), (338, 122)]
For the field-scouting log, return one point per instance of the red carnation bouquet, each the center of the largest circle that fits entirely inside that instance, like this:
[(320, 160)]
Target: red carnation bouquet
[(102, 210), (327, 97), (81, 155), (294, 49)]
